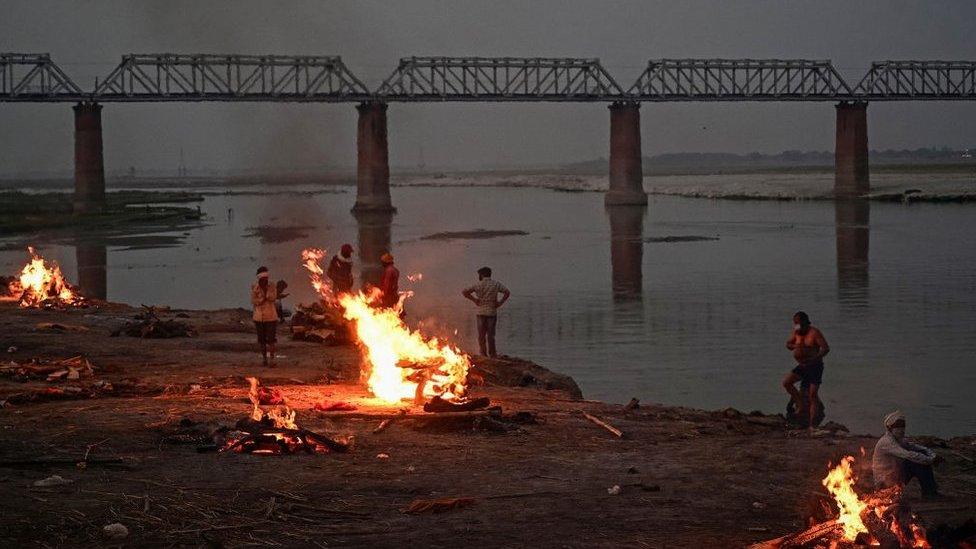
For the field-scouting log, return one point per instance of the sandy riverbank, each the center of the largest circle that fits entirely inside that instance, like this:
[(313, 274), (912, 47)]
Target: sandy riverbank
[(688, 478)]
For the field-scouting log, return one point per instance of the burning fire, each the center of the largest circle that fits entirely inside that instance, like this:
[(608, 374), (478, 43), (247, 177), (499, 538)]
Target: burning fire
[(884, 505), (840, 483), (274, 432), (403, 363), (311, 258), (283, 418), (389, 344), (42, 284)]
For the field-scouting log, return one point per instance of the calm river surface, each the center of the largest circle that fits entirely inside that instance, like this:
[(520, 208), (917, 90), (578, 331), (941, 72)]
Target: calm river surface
[(697, 323)]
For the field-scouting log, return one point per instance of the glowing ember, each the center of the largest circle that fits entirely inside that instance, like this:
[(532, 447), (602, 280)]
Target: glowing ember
[(402, 363), (274, 432), (840, 483), (42, 284)]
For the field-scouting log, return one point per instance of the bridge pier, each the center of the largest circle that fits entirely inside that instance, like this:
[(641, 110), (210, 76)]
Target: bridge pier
[(851, 174), (89, 166), (626, 250), (374, 241), (372, 165), (626, 172), (92, 272)]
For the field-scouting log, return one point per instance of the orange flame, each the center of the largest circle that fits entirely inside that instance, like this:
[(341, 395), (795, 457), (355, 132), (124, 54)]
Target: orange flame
[(400, 363), (41, 284), (388, 343), (283, 417), (310, 260), (840, 483)]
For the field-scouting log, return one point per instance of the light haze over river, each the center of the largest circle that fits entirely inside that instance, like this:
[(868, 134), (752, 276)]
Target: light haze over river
[(696, 323)]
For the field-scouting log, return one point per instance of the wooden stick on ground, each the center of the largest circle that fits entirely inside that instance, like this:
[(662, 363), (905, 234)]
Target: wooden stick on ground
[(617, 432), (405, 416), (386, 423), (799, 539)]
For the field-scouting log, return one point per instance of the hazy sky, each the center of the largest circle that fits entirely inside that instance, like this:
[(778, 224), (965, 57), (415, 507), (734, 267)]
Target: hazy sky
[(86, 38)]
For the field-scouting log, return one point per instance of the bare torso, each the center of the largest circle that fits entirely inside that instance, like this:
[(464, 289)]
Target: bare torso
[(807, 347)]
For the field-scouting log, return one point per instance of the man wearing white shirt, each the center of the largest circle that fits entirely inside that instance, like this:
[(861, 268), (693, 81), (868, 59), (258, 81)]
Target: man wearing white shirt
[(484, 294), (896, 461)]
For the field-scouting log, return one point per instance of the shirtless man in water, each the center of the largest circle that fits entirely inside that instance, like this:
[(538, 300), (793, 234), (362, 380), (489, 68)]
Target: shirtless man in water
[(809, 347)]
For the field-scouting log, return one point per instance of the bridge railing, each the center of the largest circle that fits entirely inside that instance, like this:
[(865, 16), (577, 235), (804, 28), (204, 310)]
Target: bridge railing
[(34, 77), (919, 80), (499, 79), (207, 77), (740, 80)]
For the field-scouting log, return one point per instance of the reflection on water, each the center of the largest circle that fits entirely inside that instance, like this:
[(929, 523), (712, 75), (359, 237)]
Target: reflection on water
[(627, 251), (708, 331), (92, 276), (374, 241), (852, 219)]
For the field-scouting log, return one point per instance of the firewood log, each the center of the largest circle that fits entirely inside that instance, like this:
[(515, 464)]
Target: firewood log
[(798, 540)]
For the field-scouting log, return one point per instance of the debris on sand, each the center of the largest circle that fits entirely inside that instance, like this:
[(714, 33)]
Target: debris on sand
[(476, 234), (148, 325), (68, 369)]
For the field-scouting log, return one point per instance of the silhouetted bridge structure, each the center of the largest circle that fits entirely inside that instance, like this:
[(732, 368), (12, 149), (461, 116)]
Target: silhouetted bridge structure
[(325, 79)]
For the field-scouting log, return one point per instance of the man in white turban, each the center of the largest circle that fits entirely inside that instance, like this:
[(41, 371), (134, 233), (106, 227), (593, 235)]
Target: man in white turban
[(896, 461)]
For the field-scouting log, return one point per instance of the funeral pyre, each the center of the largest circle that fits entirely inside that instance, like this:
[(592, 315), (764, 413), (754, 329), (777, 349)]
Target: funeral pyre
[(399, 362), (273, 431), (41, 284), (879, 519)]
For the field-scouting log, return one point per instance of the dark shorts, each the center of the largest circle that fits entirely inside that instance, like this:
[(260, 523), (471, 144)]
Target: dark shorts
[(267, 332), (810, 373)]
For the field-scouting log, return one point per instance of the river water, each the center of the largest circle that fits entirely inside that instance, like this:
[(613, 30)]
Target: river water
[(603, 295)]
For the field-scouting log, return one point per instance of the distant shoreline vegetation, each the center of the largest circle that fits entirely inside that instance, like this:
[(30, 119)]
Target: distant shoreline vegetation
[(926, 159), (907, 159)]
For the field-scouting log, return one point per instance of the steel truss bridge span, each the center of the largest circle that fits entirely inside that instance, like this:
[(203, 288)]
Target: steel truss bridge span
[(499, 79), (27, 77)]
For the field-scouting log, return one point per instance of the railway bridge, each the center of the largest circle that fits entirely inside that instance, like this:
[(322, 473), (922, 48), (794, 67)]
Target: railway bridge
[(32, 77)]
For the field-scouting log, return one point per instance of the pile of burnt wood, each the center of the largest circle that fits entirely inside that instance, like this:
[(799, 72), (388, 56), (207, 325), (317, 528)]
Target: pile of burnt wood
[(148, 324), (320, 323), (265, 437)]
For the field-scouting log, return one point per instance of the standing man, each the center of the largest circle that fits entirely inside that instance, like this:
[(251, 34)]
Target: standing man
[(263, 297), (896, 461), (340, 270), (809, 347), (390, 283), (484, 294)]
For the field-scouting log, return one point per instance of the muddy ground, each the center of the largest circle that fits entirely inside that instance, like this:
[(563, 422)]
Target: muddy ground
[(687, 478)]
